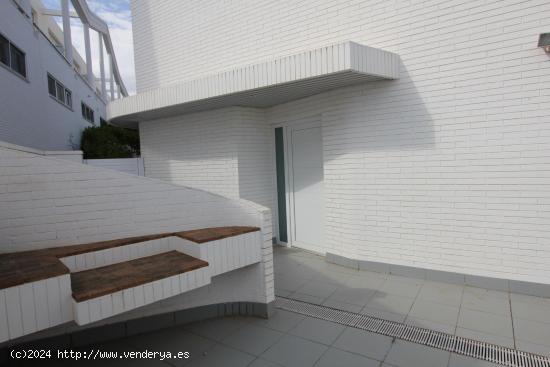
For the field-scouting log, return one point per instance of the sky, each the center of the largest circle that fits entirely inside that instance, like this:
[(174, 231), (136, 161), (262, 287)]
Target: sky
[(118, 16)]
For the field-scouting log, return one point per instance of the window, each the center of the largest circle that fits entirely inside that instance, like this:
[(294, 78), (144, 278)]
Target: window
[(68, 98), (12, 57), (59, 92), (87, 113), (51, 85), (102, 121), (4, 51)]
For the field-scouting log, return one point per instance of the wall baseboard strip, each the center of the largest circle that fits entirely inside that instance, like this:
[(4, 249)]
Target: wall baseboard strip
[(506, 285)]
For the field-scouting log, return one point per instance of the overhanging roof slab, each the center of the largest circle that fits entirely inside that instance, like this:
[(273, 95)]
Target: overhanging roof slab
[(261, 85)]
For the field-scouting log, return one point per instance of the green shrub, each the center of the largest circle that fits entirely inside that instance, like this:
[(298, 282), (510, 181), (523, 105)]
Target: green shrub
[(107, 141)]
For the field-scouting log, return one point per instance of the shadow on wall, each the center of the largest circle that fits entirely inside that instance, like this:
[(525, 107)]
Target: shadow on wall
[(381, 116), (363, 125), (193, 150)]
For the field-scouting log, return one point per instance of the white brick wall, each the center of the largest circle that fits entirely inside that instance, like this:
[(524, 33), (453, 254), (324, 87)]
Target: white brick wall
[(256, 159), (48, 202), (227, 151), (430, 36), (196, 150), (446, 168), (126, 165)]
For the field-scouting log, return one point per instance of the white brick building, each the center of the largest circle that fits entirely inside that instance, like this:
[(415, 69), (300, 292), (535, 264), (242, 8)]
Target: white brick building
[(424, 142)]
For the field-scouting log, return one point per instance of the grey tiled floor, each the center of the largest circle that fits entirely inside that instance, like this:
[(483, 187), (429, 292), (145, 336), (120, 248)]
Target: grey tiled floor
[(289, 339), (503, 318)]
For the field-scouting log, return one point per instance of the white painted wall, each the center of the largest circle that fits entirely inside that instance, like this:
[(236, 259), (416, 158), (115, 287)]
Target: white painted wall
[(225, 151), (28, 115), (197, 150), (132, 166), (54, 202), (445, 168)]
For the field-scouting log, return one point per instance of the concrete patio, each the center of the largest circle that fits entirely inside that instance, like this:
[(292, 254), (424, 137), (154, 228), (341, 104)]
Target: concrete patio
[(289, 339)]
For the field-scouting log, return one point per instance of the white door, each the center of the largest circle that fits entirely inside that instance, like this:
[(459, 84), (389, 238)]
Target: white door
[(307, 196)]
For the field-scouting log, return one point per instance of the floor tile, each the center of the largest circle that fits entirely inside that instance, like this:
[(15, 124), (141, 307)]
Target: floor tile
[(117, 345), (516, 297), (531, 311), (221, 355), (173, 339), (317, 289), (282, 292), (335, 357), (436, 312), (485, 322), (263, 363), (405, 354), (291, 351), (288, 283), (104, 363), (252, 339), (448, 294), (317, 330), (483, 292), (458, 360), (532, 331), (332, 276), (342, 305), (484, 337), (281, 320), (543, 350), (354, 296), (307, 298), (340, 268), (390, 303), (402, 286), (478, 299), (426, 324), (216, 329), (381, 314), (363, 342), (366, 281)]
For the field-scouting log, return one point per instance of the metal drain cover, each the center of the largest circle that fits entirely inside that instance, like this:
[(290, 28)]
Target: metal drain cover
[(451, 343)]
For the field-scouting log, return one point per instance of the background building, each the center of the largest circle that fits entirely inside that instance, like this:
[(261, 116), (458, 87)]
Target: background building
[(49, 92)]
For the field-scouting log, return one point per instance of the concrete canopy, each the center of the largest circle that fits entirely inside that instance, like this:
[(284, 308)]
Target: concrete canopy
[(261, 85)]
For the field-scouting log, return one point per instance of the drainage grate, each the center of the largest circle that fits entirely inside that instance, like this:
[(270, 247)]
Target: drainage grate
[(451, 343)]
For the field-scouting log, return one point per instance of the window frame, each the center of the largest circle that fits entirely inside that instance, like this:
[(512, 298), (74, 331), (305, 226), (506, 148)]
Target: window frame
[(62, 94), (12, 48), (87, 113)]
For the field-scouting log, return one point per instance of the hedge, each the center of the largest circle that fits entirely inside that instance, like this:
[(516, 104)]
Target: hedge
[(107, 141)]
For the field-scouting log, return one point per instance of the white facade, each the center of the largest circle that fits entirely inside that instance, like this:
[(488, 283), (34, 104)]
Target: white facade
[(444, 168), (29, 116)]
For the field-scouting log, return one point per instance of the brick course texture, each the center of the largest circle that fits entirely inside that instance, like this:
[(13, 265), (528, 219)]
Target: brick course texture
[(446, 168), (46, 202)]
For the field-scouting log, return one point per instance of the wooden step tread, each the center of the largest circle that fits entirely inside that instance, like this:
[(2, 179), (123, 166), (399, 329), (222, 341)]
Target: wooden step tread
[(213, 234), (98, 282), (30, 266)]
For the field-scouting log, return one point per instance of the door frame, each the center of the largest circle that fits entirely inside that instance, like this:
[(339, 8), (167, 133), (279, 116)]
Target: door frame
[(288, 127)]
